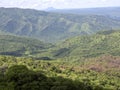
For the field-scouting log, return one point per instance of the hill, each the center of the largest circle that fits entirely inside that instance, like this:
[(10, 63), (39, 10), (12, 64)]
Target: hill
[(51, 27), (102, 43), (21, 46), (107, 42)]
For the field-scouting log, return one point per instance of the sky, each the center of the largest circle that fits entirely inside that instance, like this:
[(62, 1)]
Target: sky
[(59, 4)]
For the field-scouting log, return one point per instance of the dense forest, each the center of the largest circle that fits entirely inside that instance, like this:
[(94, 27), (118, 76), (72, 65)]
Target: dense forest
[(94, 74)]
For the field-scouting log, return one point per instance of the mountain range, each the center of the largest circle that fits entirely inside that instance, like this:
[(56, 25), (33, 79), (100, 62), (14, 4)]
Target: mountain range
[(52, 26), (110, 11)]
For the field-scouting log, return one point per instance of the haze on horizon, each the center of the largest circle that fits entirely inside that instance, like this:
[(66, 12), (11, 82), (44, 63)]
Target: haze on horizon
[(59, 4)]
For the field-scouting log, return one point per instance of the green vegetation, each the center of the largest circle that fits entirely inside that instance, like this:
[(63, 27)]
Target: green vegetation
[(86, 60), (51, 27), (57, 75), (21, 46), (102, 43), (107, 42), (20, 78)]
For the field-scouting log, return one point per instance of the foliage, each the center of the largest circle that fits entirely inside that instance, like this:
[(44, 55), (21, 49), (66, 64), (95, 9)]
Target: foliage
[(94, 74), (20, 78), (107, 42)]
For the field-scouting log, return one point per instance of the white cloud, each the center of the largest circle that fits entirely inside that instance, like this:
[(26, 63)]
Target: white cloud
[(41, 4), (103, 0)]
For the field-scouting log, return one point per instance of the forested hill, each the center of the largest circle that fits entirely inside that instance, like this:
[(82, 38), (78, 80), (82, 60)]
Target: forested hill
[(51, 27), (21, 46), (102, 43), (106, 42)]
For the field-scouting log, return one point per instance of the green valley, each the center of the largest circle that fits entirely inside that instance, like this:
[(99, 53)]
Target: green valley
[(21, 46), (42, 50)]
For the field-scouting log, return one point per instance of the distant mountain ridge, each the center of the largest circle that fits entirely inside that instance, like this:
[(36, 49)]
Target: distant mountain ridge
[(52, 27), (112, 11), (50, 9)]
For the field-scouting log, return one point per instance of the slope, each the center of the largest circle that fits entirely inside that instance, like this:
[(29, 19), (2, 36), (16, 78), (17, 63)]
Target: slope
[(107, 42), (51, 27), (21, 46)]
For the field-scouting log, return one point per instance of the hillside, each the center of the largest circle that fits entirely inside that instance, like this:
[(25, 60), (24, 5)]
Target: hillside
[(107, 42), (21, 46), (51, 27), (102, 43)]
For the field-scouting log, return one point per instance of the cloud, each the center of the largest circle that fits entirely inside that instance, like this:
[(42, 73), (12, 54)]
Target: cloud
[(42, 4), (103, 0)]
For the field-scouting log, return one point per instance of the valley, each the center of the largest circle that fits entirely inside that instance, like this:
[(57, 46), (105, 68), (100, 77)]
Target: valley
[(49, 50)]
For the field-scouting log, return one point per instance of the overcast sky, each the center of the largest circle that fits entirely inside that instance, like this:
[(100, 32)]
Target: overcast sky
[(43, 4)]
